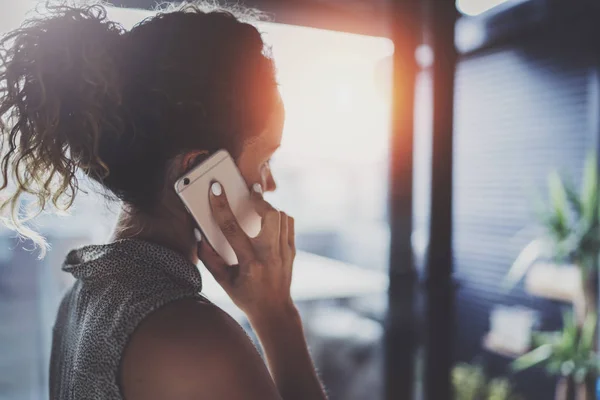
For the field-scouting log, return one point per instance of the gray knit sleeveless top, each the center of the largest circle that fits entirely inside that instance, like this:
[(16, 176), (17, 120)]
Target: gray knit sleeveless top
[(117, 285)]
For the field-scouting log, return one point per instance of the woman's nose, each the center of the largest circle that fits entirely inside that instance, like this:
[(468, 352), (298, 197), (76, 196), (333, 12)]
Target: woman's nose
[(270, 184)]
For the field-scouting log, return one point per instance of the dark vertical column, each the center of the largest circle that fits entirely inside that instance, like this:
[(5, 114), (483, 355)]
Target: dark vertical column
[(438, 275), (400, 325)]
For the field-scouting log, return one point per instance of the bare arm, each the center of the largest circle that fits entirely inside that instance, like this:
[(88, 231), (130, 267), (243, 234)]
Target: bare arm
[(193, 350), (282, 339), (260, 286)]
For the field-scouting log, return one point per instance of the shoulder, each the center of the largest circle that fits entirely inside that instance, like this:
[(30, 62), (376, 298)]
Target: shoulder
[(192, 349), (189, 324)]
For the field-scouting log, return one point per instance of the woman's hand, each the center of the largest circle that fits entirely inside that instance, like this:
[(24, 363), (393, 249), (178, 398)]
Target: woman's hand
[(260, 283), (260, 286)]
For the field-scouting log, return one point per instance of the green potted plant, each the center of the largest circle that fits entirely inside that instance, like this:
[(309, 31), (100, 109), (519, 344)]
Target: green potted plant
[(469, 382), (570, 235), (569, 355), (501, 389)]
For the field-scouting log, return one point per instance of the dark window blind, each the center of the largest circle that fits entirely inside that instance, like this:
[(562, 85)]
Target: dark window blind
[(522, 109)]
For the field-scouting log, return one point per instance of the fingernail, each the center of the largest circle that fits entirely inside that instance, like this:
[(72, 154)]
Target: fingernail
[(257, 188), (198, 235), (216, 189)]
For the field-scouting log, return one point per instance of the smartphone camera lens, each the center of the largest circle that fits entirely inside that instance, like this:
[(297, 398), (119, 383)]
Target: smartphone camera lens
[(186, 181)]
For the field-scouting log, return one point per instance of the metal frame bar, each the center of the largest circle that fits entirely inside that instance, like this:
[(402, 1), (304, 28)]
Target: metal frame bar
[(400, 336), (439, 284)]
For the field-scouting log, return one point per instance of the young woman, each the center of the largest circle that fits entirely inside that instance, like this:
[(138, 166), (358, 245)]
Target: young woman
[(134, 110)]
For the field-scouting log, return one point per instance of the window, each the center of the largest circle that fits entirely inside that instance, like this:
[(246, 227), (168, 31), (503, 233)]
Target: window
[(332, 166), (332, 176)]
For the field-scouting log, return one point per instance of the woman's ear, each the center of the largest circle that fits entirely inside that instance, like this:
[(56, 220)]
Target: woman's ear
[(193, 158), (182, 163)]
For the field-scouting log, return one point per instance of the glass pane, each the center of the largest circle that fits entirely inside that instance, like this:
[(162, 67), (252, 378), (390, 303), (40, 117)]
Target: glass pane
[(332, 177), (332, 167)]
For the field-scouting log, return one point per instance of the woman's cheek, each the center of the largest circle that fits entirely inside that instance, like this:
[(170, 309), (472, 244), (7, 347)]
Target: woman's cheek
[(250, 175)]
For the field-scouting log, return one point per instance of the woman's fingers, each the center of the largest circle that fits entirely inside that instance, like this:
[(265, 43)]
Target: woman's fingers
[(283, 234), (271, 220), (276, 236), (260, 205), (292, 234), (235, 235), (271, 228)]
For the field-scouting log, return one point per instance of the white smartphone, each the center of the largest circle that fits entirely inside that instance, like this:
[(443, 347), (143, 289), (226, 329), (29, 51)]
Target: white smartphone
[(193, 189)]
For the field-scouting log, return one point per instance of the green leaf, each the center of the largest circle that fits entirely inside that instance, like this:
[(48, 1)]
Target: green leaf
[(468, 381), (553, 367), (499, 389), (533, 358), (589, 190), (567, 368), (567, 348), (573, 197), (558, 200), (540, 206), (586, 343), (569, 324), (541, 338), (529, 255)]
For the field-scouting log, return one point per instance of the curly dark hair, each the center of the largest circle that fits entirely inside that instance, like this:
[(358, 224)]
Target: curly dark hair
[(80, 93)]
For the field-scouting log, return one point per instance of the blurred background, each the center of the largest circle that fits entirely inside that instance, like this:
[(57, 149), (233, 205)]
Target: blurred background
[(440, 160)]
